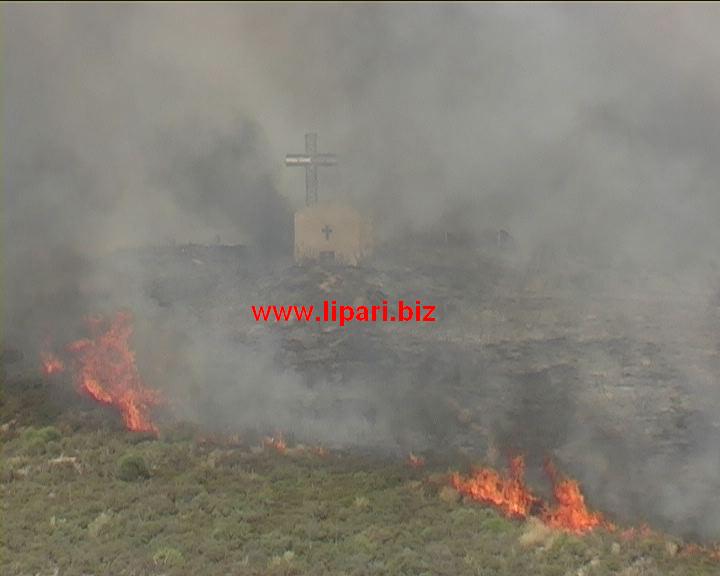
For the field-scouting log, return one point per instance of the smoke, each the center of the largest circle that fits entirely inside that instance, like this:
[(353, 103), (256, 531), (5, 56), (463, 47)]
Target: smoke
[(589, 132), (588, 126)]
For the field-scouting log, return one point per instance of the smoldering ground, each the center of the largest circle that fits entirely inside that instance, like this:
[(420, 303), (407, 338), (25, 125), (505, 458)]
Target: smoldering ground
[(589, 132)]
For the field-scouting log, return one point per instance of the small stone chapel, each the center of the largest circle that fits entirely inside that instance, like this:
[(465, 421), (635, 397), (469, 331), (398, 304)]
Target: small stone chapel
[(326, 231)]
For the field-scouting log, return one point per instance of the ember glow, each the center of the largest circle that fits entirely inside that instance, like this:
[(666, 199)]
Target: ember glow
[(509, 494), (104, 368)]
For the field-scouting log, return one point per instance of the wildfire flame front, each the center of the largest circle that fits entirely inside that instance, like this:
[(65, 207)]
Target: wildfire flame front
[(104, 369)]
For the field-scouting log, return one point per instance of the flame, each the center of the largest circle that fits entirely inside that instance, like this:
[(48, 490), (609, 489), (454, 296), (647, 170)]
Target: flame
[(275, 442), (508, 492), (105, 370), (51, 364), (279, 445), (570, 512)]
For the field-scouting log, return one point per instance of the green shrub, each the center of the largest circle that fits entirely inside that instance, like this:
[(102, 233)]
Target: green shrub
[(49, 433), (37, 440), (132, 467)]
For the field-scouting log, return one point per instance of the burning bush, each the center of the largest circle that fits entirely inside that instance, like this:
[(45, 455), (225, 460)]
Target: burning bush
[(104, 369), (509, 494)]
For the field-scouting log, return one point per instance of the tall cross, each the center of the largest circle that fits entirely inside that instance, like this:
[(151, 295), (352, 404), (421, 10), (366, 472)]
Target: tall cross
[(327, 231), (310, 161)]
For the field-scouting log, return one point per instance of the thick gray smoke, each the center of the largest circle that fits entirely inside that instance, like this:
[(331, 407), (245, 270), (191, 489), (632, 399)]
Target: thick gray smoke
[(589, 131), (127, 125)]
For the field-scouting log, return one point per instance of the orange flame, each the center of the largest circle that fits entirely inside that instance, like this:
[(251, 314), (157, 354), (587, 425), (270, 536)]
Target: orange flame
[(275, 442), (105, 370), (570, 512), (507, 493)]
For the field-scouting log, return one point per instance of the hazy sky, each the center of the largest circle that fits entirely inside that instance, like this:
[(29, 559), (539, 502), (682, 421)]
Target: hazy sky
[(136, 123)]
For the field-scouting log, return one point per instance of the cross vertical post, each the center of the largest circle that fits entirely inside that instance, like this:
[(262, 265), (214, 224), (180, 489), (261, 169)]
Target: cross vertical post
[(310, 161), (311, 179)]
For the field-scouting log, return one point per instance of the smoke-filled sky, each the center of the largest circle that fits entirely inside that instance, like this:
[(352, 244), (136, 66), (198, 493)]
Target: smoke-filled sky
[(127, 124)]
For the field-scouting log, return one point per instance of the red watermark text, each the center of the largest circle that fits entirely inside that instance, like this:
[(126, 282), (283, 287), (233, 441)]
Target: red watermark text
[(344, 314)]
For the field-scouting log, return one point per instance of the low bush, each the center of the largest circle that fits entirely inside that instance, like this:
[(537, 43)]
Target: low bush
[(40, 440), (132, 467)]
